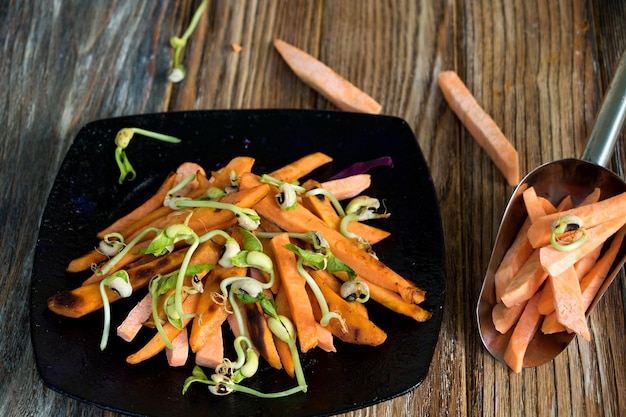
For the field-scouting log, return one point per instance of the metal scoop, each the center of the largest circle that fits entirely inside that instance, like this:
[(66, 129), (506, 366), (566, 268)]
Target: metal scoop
[(556, 180)]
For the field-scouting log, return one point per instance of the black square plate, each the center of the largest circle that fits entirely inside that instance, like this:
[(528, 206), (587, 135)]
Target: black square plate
[(86, 197)]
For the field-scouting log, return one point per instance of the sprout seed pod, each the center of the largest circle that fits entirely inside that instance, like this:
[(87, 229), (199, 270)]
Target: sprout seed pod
[(222, 385), (282, 328), (248, 286), (355, 290), (231, 249), (260, 260), (121, 287), (287, 197)]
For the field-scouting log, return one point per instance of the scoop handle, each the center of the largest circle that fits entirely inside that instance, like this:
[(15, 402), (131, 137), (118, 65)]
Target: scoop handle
[(609, 119)]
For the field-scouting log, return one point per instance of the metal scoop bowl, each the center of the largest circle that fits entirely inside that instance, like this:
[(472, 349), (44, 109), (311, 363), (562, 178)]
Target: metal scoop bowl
[(554, 181)]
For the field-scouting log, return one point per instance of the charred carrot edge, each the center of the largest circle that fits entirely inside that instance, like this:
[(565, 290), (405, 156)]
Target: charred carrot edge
[(86, 299), (261, 335), (325, 81), (359, 330), (480, 125)]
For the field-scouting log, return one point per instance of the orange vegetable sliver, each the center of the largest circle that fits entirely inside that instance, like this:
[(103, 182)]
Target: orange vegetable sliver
[(480, 125)]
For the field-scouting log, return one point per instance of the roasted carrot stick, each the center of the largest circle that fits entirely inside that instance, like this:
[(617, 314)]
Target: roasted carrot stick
[(205, 219), (282, 304), (480, 125), (301, 167), (261, 336), (322, 208), (86, 299), (325, 81), (210, 316), (294, 286), (301, 220), (359, 329), (393, 301), (156, 200), (238, 165)]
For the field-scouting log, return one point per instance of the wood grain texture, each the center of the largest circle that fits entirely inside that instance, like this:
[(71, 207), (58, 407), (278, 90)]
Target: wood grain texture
[(538, 68)]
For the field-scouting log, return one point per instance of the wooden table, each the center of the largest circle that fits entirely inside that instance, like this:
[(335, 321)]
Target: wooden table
[(538, 67)]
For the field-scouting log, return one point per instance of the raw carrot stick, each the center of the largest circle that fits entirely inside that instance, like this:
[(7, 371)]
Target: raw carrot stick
[(520, 250), (582, 267), (517, 254), (555, 262), (294, 286), (325, 81), (590, 214), (534, 205), (546, 303), (180, 352), (156, 344), (526, 282), (133, 322), (212, 353), (480, 125), (593, 280), (590, 283), (523, 333), (301, 167), (348, 187), (505, 317), (568, 302)]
